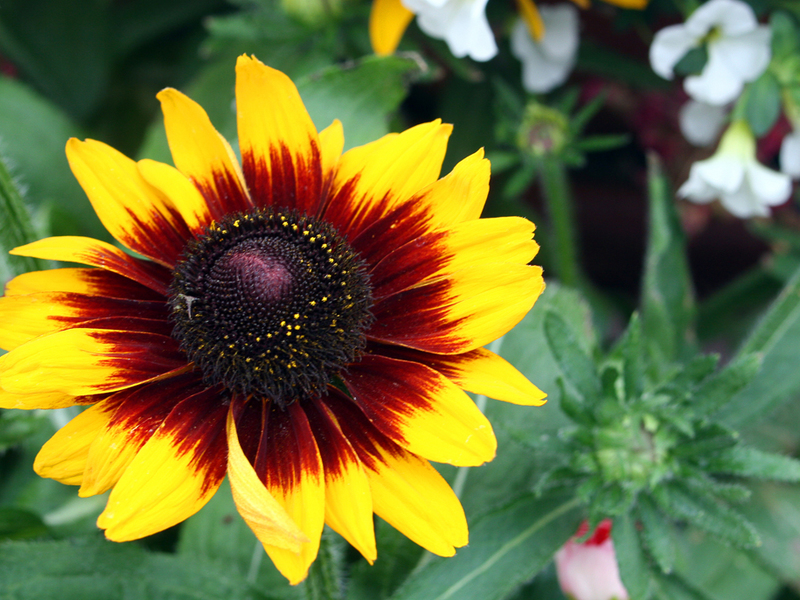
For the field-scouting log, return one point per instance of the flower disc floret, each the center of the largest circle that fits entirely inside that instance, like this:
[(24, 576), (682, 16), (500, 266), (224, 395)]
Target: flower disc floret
[(271, 304)]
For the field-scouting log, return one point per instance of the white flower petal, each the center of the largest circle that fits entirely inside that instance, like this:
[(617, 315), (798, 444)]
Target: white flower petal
[(460, 23), (790, 155), (701, 123), (771, 187), (669, 46), (540, 73), (732, 17), (696, 189), (560, 41), (717, 83), (722, 172), (748, 54), (743, 203)]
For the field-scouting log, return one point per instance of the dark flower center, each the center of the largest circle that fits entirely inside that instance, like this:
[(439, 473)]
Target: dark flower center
[(271, 304)]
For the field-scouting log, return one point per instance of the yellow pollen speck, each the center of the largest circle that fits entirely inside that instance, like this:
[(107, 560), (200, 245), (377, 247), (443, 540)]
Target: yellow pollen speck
[(224, 231), (236, 223), (296, 315), (313, 303), (258, 339), (297, 327), (305, 232), (288, 333), (231, 346), (324, 246), (294, 227), (283, 323), (324, 298), (248, 359)]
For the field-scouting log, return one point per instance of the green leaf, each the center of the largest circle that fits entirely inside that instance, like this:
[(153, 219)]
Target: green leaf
[(94, 569), (578, 368), (784, 35), (361, 96), (633, 569), (750, 462), (15, 228), (775, 338), (507, 548), (18, 524), (667, 304), (657, 534), (326, 576), (674, 588), (763, 103), (692, 62), (17, 425), (717, 390), (682, 502)]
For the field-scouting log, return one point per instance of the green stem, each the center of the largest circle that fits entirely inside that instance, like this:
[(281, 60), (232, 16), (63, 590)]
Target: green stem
[(15, 228), (555, 187), (324, 580)]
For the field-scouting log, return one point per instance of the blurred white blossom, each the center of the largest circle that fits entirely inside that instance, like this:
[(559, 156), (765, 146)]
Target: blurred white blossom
[(745, 187), (460, 23), (790, 154), (701, 123), (738, 50), (547, 64), (589, 571)]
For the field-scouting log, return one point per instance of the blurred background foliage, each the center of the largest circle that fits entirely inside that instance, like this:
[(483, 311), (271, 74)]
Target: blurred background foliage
[(702, 281)]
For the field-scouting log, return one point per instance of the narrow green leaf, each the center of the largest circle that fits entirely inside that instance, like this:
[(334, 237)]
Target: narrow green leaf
[(683, 503), (750, 462), (507, 547), (763, 103), (675, 588), (573, 407), (633, 569), (631, 349), (326, 576), (657, 534), (578, 368), (667, 304), (15, 228)]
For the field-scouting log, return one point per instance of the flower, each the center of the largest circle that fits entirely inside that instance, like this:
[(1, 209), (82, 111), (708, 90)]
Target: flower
[(460, 23), (790, 154), (589, 570), (738, 50), (548, 62), (701, 123), (535, 21), (745, 186), (304, 322)]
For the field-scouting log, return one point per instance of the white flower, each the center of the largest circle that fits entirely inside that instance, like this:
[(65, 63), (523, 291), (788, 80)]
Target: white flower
[(790, 154), (744, 186), (460, 23), (738, 50), (548, 63), (589, 571), (701, 123)]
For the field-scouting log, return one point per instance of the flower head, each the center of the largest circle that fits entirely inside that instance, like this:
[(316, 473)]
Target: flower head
[(738, 50), (588, 570), (790, 154), (460, 23), (701, 123), (547, 63), (305, 322), (733, 174)]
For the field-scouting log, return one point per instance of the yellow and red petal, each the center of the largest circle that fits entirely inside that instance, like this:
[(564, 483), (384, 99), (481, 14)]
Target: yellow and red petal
[(82, 361), (136, 413), (281, 157), (183, 195), (133, 211), (281, 447), (174, 474), (373, 179), (421, 410), (331, 144), (388, 21), (478, 371), (94, 282), (457, 314), (203, 155), (348, 500), (93, 252), (63, 457), (23, 318), (407, 491), (271, 524)]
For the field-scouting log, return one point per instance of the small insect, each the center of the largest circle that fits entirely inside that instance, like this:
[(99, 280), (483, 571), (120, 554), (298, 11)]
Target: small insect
[(189, 301)]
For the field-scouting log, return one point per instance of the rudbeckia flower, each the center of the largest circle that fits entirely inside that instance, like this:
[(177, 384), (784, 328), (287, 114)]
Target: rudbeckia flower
[(305, 323)]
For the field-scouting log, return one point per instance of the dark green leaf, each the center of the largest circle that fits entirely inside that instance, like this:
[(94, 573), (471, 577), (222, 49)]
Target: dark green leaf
[(750, 462), (667, 303), (681, 502), (578, 368), (15, 228), (763, 103), (674, 588), (657, 534), (326, 576), (692, 62), (94, 569), (784, 35), (574, 407), (17, 425), (506, 548), (599, 143), (18, 524), (633, 569)]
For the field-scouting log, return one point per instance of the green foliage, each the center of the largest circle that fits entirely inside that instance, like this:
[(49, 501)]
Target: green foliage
[(15, 227)]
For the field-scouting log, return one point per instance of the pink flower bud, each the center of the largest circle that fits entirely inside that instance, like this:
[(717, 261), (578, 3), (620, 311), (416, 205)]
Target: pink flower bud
[(588, 571)]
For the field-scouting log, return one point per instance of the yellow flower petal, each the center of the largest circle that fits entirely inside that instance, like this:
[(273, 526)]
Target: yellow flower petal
[(331, 143), (388, 21), (35, 400)]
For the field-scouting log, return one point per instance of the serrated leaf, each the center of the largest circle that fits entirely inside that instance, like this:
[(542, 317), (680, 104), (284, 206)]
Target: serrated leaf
[(750, 462), (723, 490), (633, 569), (15, 228), (763, 103), (667, 304), (674, 588), (94, 569), (688, 376), (507, 547), (578, 368), (573, 407), (683, 503), (630, 348), (325, 579), (657, 534), (705, 442)]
